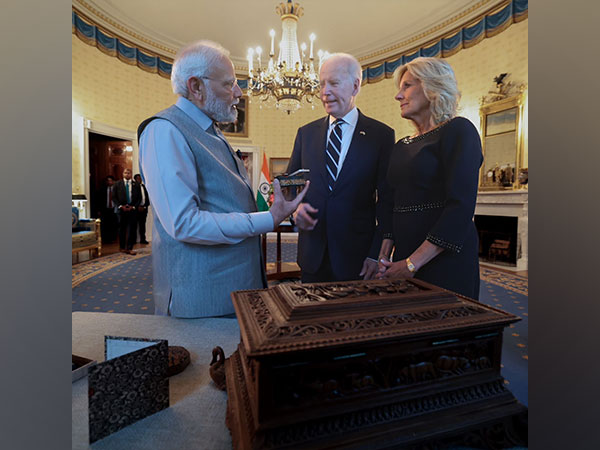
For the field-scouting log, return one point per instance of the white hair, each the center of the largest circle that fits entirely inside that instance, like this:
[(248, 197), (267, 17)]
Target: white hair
[(194, 60), (350, 63)]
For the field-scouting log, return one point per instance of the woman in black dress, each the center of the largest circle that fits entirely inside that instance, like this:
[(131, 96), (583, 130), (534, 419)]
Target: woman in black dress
[(434, 175)]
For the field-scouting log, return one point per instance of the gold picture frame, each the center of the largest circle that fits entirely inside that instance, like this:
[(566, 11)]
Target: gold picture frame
[(239, 128), (502, 144)]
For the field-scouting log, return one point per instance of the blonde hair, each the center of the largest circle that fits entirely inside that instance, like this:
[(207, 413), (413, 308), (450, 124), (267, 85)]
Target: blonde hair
[(439, 85)]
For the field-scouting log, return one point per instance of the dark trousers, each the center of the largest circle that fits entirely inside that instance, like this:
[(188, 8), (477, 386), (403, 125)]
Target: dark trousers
[(108, 225), (141, 220), (127, 229)]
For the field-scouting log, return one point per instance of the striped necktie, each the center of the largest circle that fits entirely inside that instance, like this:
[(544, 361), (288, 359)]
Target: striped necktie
[(332, 156)]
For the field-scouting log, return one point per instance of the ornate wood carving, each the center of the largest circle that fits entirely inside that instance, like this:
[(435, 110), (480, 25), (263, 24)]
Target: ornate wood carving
[(355, 363)]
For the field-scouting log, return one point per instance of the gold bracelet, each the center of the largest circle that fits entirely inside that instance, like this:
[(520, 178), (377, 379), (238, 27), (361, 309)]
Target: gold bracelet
[(410, 265)]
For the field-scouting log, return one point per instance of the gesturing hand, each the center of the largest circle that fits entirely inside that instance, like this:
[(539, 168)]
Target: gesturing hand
[(303, 218), (369, 269), (281, 208)]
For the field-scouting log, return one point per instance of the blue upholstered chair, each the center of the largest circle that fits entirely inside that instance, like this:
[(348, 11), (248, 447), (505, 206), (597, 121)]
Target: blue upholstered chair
[(85, 234)]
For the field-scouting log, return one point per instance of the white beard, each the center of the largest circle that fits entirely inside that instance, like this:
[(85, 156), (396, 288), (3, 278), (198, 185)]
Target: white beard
[(218, 110)]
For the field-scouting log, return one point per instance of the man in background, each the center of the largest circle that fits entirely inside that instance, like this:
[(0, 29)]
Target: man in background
[(105, 205), (142, 209), (347, 154), (128, 197), (206, 229)]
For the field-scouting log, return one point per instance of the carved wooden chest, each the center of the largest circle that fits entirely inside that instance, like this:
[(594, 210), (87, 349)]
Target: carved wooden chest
[(375, 364)]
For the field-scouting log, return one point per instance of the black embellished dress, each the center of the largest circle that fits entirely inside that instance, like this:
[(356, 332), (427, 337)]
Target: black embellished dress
[(434, 179)]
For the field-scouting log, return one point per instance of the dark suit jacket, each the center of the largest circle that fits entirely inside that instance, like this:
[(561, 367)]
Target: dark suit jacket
[(101, 199), (347, 215), (120, 196)]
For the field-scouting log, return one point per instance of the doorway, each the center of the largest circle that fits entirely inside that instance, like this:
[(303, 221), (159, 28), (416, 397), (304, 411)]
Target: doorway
[(108, 155)]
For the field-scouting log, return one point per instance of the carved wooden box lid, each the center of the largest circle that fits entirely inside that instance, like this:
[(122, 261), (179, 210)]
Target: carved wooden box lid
[(295, 317)]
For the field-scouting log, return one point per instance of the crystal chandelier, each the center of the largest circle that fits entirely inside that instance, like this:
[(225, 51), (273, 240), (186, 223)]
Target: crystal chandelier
[(293, 78)]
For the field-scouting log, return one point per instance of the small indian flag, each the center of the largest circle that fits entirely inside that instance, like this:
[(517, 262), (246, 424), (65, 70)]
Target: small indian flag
[(264, 187)]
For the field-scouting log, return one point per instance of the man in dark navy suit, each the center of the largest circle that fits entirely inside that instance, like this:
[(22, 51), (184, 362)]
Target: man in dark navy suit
[(105, 209), (347, 154), (128, 197), (142, 209)]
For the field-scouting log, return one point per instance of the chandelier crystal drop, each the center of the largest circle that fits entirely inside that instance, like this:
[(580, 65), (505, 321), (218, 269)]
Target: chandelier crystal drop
[(293, 78)]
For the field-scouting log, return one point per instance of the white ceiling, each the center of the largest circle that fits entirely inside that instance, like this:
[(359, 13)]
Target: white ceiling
[(368, 29)]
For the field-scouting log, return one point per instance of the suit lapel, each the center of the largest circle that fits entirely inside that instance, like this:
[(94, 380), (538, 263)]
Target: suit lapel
[(357, 146), (321, 144), (122, 195)]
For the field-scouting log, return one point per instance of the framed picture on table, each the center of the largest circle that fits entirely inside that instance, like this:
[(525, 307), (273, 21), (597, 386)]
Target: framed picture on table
[(238, 128), (277, 166)]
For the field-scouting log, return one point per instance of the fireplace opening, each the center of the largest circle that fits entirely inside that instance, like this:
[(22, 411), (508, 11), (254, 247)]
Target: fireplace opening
[(497, 239)]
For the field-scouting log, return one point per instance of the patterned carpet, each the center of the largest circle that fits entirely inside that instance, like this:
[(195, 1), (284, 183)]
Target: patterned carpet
[(510, 293), (117, 283), (122, 283)]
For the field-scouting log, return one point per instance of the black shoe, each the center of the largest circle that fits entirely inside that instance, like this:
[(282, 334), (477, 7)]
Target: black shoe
[(144, 242)]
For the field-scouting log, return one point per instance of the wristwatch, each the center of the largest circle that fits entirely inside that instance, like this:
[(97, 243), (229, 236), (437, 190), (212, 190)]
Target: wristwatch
[(410, 265)]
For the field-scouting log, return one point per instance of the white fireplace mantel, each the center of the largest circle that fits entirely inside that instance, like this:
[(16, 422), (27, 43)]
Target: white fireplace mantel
[(510, 204)]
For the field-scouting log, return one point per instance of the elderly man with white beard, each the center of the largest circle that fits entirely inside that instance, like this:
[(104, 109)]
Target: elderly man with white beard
[(206, 234)]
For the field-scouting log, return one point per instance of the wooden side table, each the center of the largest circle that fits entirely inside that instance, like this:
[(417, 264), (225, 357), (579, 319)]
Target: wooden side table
[(279, 272)]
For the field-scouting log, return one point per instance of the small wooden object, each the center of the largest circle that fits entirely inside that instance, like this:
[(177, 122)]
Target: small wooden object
[(291, 184), (179, 359), (217, 367)]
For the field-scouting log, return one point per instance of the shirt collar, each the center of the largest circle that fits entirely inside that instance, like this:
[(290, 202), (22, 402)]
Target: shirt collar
[(194, 112), (351, 118)]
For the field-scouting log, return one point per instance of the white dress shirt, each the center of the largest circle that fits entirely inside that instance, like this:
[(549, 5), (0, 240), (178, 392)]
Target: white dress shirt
[(348, 127), (170, 177), (110, 201), (143, 202)]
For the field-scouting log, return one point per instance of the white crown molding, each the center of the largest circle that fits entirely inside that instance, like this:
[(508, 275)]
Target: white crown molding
[(108, 15), (132, 31)]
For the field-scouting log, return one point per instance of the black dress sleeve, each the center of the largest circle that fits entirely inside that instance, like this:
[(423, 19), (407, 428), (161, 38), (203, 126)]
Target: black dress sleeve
[(385, 195), (385, 205), (461, 157)]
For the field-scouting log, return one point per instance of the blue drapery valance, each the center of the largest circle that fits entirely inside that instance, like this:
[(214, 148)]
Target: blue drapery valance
[(114, 46), (467, 36)]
